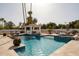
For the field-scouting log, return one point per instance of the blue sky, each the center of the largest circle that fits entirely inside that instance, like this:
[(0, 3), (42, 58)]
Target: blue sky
[(51, 12)]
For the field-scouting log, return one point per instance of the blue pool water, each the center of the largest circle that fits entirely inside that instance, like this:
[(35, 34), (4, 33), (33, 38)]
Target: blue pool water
[(41, 45)]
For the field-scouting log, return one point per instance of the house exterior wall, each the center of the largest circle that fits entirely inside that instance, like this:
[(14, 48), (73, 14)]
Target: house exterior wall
[(32, 29)]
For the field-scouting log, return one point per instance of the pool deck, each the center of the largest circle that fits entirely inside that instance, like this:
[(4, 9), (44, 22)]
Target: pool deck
[(69, 49), (5, 44)]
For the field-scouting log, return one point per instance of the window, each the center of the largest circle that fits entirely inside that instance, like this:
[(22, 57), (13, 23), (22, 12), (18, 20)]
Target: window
[(36, 28), (32, 28), (27, 28)]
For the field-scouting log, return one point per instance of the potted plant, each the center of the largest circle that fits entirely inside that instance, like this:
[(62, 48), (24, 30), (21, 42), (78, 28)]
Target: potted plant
[(4, 34), (17, 41), (50, 31), (74, 32)]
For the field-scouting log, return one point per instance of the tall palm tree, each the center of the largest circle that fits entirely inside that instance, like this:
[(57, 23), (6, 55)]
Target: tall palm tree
[(5, 22), (24, 12)]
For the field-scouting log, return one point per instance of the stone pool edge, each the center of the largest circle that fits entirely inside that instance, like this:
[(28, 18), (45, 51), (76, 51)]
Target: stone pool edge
[(67, 49)]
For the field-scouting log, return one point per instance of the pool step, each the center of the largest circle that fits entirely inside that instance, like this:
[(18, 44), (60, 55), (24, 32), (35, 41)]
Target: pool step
[(16, 47)]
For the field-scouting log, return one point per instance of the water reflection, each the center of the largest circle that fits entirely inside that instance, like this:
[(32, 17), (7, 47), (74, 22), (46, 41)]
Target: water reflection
[(32, 37)]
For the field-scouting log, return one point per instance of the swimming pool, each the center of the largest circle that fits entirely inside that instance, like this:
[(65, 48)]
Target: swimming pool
[(41, 45)]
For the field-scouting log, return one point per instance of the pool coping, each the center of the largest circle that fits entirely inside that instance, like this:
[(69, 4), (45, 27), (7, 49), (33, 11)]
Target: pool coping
[(59, 48), (64, 51)]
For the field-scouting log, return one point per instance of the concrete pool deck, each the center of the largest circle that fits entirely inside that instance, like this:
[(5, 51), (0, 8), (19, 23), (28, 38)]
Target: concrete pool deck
[(69, 49), (5, 44)]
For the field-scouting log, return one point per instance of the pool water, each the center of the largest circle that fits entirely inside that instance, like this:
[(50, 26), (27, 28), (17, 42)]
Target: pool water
[(41, 45)]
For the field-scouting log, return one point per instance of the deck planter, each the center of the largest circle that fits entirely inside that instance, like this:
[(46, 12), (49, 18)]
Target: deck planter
[(17, 41)]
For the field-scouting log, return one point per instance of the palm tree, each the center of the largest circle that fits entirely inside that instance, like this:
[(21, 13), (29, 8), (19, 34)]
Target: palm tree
[(29, 20), (3, 21)]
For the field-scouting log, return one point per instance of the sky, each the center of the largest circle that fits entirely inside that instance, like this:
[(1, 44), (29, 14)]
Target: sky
[(47, 12)]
